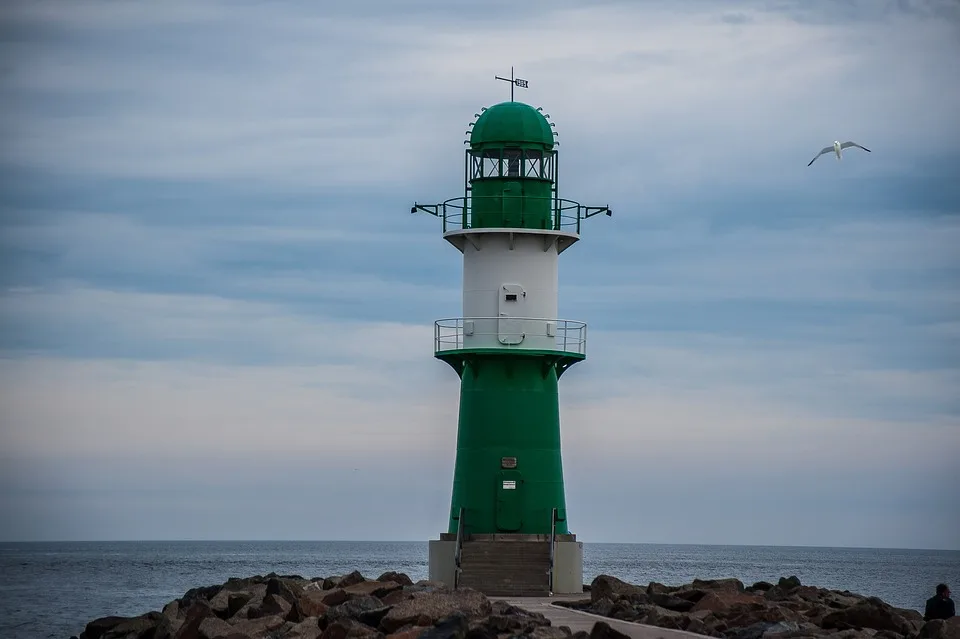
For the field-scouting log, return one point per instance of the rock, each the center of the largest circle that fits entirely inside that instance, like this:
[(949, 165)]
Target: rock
[(377, 589), (334, 597), (274, 605), (663, 618), (167, 627), (603, 630), (453, 627), (96, 628), (725, 585), (214, 627), (940, 629), (243, 603), (311, 602), (206, 593), (605, 586), (391, 607), (259, 627), (425, 585), (352, 579), (136, 628), (603, 606), (722, 600), (789, 583), (288, 589), (549, 632), (367, 610), (309, 628), (346, 627), (670, 602), (426, 608), (872, 613), (657, 587), (396, 597), (395, 577), (414, 632), (193, 617)]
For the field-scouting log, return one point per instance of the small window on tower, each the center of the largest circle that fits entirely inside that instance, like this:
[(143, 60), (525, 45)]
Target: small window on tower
[(511, 297)]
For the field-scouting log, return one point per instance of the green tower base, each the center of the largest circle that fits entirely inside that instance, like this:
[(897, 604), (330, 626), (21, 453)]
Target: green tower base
[(508, 476), (508, 500)]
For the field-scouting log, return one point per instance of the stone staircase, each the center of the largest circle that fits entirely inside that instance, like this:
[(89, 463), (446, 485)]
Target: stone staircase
[(506, 568)]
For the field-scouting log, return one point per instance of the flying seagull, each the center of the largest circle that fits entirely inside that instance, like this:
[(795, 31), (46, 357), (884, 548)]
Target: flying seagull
[(837, 148)]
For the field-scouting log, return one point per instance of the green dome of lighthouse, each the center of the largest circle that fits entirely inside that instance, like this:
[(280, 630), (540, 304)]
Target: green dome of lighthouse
[(511, 122)]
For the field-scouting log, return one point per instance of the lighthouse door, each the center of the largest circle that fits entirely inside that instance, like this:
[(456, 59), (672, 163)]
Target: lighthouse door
[(509, 501), (510, 329)]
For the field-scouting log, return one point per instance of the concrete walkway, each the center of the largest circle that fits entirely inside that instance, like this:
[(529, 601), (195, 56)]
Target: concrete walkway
[(577, 620)]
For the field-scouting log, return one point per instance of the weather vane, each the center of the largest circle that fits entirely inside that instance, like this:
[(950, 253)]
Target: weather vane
[(514, 82)]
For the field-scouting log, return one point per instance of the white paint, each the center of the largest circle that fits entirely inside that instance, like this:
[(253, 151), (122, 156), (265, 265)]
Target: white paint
[(508, 277), (568, 568), (442, 563)]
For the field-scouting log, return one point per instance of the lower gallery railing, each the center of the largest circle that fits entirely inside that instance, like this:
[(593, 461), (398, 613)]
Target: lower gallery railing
[(533, 333)]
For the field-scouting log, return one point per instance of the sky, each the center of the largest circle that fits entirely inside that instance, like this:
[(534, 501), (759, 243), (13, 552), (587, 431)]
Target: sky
[(216, 310)]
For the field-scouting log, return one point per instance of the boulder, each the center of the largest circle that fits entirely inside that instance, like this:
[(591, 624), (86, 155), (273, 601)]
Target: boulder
[(453, 627), (347, 627), (367, 610), (258, 627), (603, 630), (723, 599), (214, 627), (351, 580), (377, 589), (96, 628), (427, 608), (607, 587), (725, 585), (940, 629), (872, 613), (395, 577), (311, 602), (309, 628)]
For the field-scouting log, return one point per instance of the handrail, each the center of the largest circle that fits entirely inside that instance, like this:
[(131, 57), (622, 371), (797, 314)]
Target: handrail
[(553, 541), (564, 214), (568, 336), (456, 555)]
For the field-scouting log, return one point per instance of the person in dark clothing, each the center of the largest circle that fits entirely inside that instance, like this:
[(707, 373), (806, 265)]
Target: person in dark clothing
[(940, 606)]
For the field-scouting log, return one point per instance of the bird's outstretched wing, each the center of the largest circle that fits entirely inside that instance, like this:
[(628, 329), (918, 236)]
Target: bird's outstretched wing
[(826, 149), (847, 145)]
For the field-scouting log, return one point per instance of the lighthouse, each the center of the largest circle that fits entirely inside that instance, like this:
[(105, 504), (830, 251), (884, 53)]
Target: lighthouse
[(508, 532)]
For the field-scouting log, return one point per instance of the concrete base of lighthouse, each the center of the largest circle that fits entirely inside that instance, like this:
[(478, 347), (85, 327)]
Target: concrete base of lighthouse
[(508, 564)]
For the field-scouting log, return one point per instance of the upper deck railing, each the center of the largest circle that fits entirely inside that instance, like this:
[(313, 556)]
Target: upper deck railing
[(564, 215)]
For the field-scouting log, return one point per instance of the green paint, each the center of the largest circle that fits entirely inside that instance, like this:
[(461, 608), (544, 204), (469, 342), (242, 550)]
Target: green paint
[(508, 408), (513, 123), (512, 169)]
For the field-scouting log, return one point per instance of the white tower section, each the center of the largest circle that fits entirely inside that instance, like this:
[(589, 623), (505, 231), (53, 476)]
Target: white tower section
[(510, 292)]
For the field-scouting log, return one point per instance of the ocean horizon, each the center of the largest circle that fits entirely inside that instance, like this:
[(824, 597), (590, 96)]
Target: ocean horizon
[(91, 579)]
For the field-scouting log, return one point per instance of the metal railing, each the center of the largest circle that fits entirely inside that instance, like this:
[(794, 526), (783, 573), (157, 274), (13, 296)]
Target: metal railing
[(553, 543), (565, 215), (456, 554), (549, 334)]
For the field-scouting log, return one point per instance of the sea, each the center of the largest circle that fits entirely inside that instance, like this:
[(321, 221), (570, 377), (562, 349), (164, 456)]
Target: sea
[(54, 589)]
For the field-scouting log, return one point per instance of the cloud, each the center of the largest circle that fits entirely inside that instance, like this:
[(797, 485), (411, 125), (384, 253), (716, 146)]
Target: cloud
[(260, 111), (213, 295)]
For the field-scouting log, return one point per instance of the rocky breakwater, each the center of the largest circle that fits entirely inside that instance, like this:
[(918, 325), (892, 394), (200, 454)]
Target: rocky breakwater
[(788, 610), (292, 607)]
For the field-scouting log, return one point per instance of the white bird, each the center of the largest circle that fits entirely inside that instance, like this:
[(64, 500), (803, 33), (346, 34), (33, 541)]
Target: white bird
[(837, 148)]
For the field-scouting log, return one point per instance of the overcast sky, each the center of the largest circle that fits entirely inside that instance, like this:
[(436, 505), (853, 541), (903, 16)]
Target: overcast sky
[(217, 311)]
